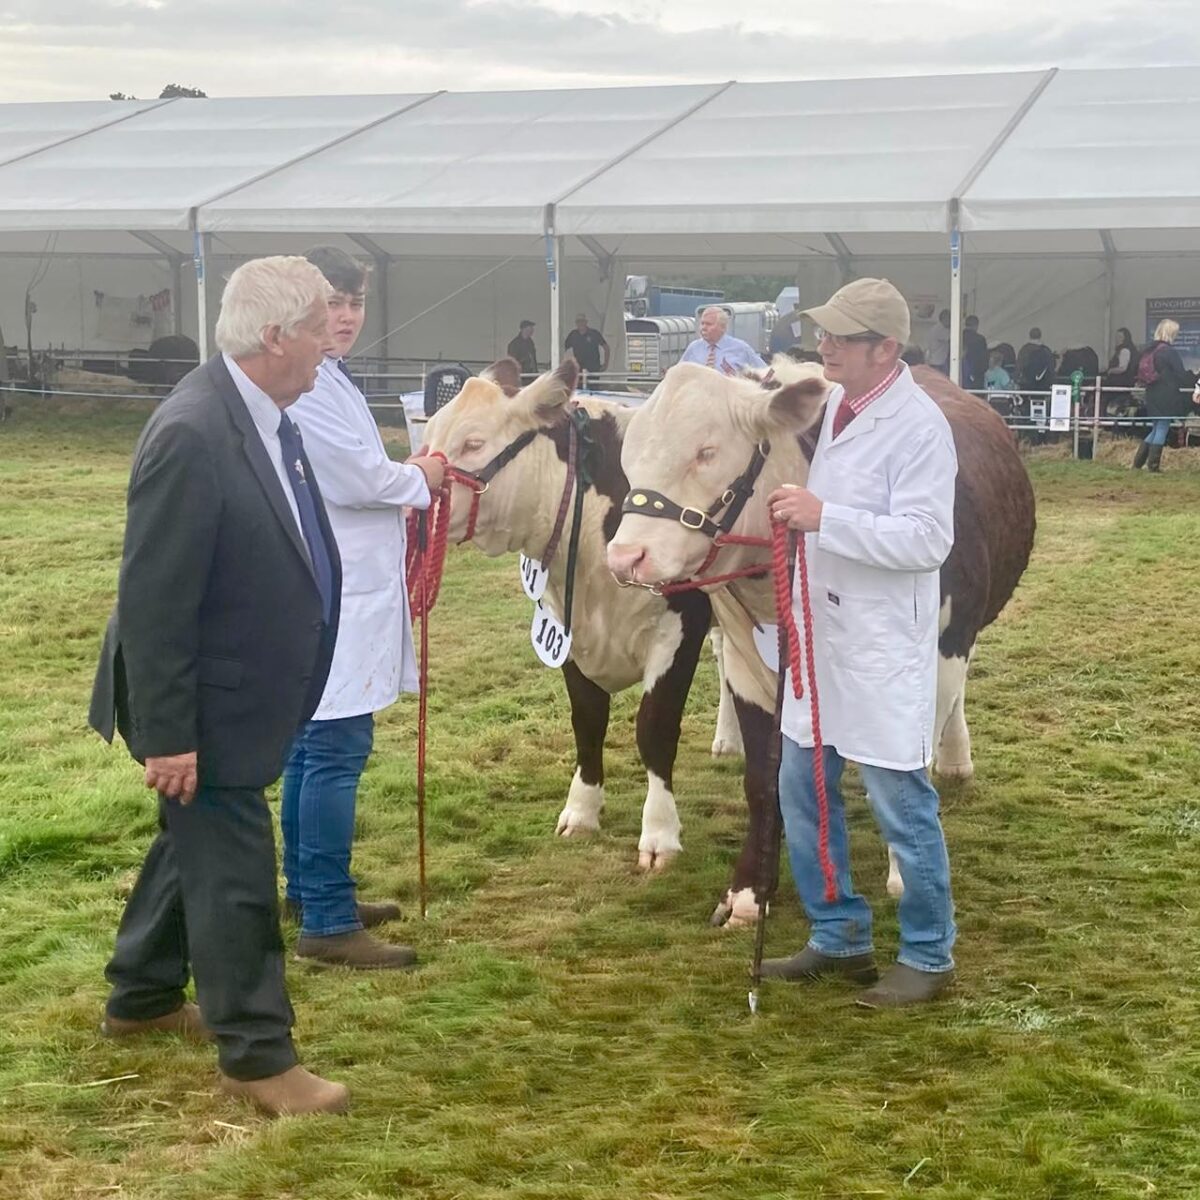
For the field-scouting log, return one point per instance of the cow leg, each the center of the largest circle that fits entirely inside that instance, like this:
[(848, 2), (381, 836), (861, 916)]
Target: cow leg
[(895, 884), (740, 905), (589, 718), (728, 738), (952, 757), (670, 667)]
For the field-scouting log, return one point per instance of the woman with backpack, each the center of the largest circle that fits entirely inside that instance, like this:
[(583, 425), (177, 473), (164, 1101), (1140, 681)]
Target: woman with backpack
[(1161, 372)]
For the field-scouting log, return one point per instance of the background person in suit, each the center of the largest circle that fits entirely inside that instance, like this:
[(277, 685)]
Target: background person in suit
[(217, 652), (366, 494), (524, 351)]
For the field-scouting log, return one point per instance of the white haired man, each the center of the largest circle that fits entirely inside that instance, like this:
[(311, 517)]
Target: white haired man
[(717, 348), (216, 654)]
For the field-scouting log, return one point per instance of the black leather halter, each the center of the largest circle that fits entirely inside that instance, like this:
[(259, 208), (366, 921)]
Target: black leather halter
[(646, 503), (487, 473)]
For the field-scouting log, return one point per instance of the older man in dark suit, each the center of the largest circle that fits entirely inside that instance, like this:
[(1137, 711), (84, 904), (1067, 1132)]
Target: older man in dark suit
[(216, 654)]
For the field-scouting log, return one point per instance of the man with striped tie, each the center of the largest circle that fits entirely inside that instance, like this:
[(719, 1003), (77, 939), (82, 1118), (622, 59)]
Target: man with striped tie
[(717, 349)]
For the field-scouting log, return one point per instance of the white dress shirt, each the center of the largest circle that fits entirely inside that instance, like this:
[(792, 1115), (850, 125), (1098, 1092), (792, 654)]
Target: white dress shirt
[(265, 414), (365, 494), (729, 352)]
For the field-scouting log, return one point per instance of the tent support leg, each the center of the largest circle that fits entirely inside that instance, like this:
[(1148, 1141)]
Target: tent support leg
[(556, 303), (203, 246), (956, 314)]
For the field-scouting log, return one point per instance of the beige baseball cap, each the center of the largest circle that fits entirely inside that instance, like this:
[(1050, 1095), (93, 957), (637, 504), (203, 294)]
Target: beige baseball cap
[(864, 306)]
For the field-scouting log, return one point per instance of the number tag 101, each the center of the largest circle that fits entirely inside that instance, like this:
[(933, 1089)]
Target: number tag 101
[(534, 577), (551, 642)]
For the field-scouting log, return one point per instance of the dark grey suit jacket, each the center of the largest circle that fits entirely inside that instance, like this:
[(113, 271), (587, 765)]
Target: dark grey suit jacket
[(217, 643)]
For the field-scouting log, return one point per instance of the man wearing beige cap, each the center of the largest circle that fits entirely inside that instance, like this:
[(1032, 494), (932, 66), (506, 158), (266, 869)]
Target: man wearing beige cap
[(878, 515)]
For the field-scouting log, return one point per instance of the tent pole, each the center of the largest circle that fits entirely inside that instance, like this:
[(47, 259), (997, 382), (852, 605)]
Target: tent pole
[(201, 258), (555, 301), (955, 295), (176, 294)]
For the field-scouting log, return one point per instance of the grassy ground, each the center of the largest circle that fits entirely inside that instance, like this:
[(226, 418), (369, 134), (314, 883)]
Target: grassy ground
[(577, 1032)]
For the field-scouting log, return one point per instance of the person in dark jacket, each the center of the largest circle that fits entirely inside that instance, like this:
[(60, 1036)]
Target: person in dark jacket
[(974, 357), (1035, 364), (1122, 371), (228, 602), (1166, 399), (524, 351)]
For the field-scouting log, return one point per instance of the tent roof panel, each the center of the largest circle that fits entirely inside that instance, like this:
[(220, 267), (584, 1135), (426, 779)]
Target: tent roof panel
[(149, 171), (1099, 150), (807, 156), (25, 128), (472, 162)]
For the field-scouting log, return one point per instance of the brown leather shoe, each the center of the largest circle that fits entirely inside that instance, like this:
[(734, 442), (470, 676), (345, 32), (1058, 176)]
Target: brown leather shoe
[(186, 1021), (811, 965), (358, 949), (293, 1093), (368, 913), (902, 986)]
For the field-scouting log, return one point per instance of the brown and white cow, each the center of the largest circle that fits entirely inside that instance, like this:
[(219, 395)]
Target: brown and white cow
[(620, 636), (698, 432)]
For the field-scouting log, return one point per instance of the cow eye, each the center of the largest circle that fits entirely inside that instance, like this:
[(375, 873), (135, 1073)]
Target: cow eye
[(707, 454), (472, 445)]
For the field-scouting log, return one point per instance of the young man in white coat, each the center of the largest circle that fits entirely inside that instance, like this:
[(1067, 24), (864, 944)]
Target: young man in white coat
[(878, 516), (366, 494)]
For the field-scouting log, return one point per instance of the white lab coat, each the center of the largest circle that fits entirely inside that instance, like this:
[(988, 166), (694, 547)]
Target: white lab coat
[(365, 495), (886, 527)]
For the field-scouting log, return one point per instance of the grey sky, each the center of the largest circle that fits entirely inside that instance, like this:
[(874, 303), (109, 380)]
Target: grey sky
[(84, 49)]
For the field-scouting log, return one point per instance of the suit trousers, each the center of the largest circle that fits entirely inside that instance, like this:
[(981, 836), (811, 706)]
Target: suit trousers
[(206, 897)]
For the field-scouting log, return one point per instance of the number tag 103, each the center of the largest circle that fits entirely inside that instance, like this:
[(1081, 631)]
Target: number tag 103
[(551, 642), (534, 577)]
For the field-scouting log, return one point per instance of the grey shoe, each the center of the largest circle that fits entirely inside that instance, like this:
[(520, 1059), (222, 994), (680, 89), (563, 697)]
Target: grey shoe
[(358, 949), (810, 965), (902, 986)]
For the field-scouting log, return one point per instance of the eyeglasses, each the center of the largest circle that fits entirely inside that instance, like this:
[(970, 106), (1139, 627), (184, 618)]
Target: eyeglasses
[(840, 341)]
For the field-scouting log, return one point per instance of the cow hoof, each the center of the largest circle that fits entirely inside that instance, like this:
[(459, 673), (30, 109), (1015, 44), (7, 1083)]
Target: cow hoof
[(655, 860), (726, 748), (576, 825), (720, 915), (895, 887), (960, 771), (742, 909)]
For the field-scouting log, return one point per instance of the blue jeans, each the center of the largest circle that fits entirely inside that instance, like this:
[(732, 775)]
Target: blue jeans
[(1158, 432), (906, 810), (320, 786)]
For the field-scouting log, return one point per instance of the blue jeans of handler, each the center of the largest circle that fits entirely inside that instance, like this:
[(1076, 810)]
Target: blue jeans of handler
[(320, 786), (906, 810), (1158, 432)]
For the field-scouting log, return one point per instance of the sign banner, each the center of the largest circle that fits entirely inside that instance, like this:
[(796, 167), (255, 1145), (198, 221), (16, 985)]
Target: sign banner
[(1186, 311), (1060, 407)]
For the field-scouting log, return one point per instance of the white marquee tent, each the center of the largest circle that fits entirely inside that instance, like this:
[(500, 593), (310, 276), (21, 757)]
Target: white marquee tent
[(1073, 197)]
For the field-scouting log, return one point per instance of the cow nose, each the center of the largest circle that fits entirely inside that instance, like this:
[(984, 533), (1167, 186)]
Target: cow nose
[(623, 560)]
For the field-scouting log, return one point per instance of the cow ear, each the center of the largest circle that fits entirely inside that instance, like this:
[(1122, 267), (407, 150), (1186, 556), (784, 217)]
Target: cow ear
[(505, 373), (797, 405), (545, 397)]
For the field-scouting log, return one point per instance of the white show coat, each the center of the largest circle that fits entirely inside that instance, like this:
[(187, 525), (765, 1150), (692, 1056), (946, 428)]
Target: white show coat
[(886, 527), (365, 493)]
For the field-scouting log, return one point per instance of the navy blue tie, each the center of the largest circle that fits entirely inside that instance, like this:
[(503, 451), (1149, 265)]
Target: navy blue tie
[(294, 468), (345, 370)]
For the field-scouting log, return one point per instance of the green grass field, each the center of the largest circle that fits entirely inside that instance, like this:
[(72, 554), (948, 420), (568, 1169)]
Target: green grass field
[(577, 1032)]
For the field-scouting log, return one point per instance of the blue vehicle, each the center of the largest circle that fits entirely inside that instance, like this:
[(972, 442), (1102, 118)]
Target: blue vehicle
[(644, 298)]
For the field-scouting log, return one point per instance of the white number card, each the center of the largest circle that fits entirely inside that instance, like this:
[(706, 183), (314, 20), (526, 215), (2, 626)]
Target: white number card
[(766, 639), (551, 642), (534, 577)]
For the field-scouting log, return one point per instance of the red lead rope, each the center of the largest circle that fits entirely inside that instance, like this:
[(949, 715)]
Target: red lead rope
[(425, 564), (782, 580)]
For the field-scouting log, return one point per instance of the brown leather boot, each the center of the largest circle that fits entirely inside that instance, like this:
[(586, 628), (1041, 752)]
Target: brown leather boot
[(368, 913), (185, 1021), (293, 1093), (358, 949)]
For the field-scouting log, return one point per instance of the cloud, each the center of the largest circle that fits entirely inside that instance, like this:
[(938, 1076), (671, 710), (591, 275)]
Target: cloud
[(76, 49)]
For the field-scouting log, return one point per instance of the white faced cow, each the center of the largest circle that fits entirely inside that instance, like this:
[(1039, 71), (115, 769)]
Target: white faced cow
[(699, 432), (620, 636)]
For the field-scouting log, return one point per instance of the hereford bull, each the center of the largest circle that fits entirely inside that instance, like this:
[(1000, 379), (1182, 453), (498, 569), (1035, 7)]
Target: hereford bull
[(619, 636), (699, 432)]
